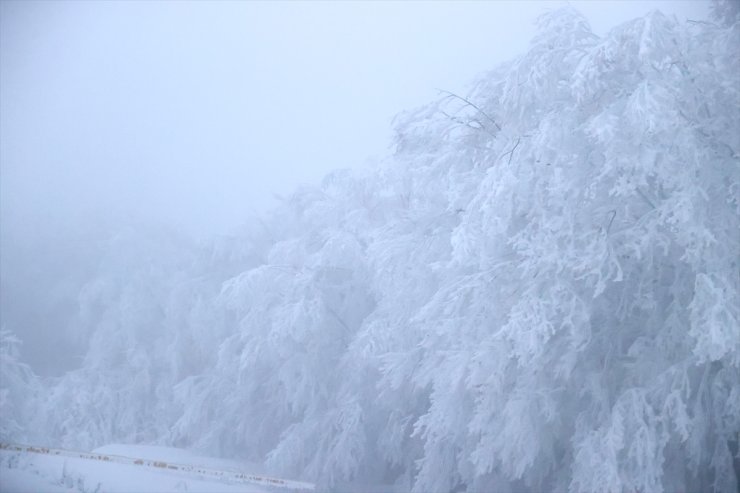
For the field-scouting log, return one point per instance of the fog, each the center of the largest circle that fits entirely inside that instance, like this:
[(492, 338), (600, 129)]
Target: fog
[(196, 115), (427, 247)]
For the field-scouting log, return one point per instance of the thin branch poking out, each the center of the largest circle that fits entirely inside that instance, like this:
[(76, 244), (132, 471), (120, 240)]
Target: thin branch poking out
[(467, 102), (511, 152), (467, 123), (644, 197), (613, 213), (692, 21)]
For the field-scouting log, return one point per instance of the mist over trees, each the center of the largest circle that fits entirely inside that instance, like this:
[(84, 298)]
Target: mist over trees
[(538, 290)]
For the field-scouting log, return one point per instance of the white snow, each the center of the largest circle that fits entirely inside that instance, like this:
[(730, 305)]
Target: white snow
[(23, 472)]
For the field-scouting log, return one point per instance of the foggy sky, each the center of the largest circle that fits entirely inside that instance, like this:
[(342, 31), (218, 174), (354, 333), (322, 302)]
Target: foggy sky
[(195, 113)]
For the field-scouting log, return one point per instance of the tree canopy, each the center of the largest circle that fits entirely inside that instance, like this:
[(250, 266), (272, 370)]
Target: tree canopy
[(538, 290)]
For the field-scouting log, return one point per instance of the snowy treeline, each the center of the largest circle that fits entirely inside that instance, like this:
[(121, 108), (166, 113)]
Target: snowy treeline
[(538, 291)]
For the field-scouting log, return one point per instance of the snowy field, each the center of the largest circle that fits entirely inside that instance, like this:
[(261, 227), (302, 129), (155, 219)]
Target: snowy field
[(24, 472)]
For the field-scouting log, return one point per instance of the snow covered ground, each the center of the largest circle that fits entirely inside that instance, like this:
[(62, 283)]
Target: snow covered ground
[(25, 472)]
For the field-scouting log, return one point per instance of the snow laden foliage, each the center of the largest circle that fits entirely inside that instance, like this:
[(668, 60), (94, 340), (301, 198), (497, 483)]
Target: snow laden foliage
[(19, 390), (133, 315), (538, 291)]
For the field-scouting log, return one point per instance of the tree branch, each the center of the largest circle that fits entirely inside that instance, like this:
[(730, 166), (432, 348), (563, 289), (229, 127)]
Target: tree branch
[(472, 105), (511, 152)]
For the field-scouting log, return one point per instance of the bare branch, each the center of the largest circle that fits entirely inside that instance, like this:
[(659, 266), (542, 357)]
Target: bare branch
[(644, 197), (467, 123), (472, 105), (613, 213), (692, 21), (511, 152)]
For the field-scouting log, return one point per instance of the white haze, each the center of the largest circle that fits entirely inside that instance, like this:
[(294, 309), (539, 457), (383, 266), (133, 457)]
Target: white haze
[(533, 287), (195, 115)]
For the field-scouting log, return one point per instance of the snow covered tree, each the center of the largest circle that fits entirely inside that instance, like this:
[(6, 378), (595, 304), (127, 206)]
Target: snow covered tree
[(123, 390), (19, 391), (727, 12), (538, 291), (595, 295)]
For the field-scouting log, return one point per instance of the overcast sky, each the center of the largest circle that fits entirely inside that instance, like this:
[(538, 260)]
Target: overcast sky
[(195, 113)]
